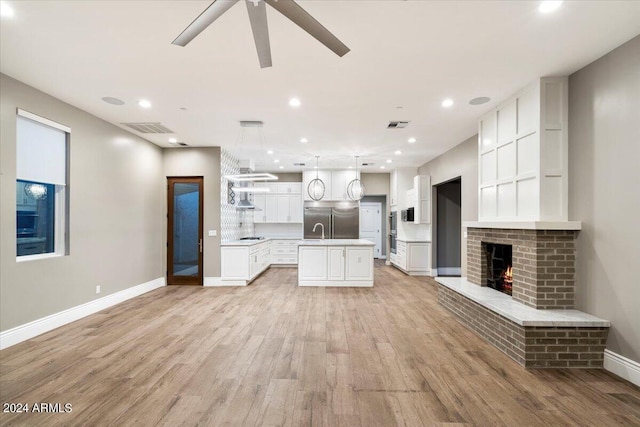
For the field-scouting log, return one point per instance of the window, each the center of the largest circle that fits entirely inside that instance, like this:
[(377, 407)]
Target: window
[(41, 202)]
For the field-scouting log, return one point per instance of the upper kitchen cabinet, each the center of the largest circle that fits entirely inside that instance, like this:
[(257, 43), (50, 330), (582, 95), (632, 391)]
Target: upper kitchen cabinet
[(401, 181), (283, 203), (523, 155), (335, 183), (422, 199), (339, 182)]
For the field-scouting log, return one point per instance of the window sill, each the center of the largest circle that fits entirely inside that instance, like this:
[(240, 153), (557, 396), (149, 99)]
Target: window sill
[(26, 258)]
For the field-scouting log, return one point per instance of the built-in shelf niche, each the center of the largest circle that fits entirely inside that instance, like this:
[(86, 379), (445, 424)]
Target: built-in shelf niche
[(522, 155)]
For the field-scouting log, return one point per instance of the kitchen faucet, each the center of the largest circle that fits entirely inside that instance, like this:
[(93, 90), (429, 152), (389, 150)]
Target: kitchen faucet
[(321, 225)]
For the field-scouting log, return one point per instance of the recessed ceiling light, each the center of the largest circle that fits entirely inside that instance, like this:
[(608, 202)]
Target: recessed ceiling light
[(5, 10), (350, 167), (398, 152), (447, 103), (549, 6), (144, 103), (412, 140), (304, 140), (270, 152), (281, 167), (276, 161), (315, 167), (173, 140), (113, 101), (382, 167), (294, 102), (389, 160), (480, 100)]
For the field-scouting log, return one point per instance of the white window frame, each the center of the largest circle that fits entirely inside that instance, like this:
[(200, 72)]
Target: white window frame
[(61, 206)]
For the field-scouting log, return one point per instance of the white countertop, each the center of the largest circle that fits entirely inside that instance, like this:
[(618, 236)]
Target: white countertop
[(244, 242), (519, 313), (335, 242)]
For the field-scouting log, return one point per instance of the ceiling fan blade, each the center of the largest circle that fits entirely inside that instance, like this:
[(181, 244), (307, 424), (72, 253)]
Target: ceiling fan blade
[(301, 18), (258, 17), (210, 14)]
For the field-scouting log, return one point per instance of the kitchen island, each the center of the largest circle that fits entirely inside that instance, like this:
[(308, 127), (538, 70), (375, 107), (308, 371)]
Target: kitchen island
[(335, 262)]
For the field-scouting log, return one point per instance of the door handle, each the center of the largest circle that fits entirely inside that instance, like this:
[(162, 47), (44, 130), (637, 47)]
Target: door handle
[(200, 244)]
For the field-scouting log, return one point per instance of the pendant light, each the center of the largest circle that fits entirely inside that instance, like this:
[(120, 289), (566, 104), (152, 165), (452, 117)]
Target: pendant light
[(355, 189), (316, 186), (35, 191)]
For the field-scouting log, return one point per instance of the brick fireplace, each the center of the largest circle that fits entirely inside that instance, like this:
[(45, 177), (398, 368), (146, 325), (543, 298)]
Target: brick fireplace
[(543, 264)]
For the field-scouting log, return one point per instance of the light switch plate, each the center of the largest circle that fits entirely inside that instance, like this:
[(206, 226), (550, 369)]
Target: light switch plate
[(465, 234), (213, 233)]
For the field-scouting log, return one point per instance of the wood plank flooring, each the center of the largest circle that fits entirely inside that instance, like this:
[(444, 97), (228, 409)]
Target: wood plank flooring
[(276, 354)]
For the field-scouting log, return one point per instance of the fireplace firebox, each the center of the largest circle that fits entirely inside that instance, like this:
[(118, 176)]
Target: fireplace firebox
[(499, 260)]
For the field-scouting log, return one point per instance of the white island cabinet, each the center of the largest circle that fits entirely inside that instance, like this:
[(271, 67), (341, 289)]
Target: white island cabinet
[(243, 260), (335, 262)]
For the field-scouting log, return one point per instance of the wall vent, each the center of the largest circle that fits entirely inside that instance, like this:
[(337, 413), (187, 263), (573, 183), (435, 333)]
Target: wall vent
[(251, 123), (397, 125), (148, 127)]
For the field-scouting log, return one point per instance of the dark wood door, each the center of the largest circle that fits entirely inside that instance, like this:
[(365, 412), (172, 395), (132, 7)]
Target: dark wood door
[(184, 231)]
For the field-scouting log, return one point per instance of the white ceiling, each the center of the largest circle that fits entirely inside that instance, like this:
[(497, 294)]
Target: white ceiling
[(409, 54)]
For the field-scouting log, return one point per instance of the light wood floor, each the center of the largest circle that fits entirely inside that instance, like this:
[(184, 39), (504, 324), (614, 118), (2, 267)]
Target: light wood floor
[(276, 354)]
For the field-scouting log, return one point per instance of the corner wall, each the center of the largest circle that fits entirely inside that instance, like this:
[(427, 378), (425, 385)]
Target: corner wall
[(205, 162), (604, 151), (116, 199), (460, 161)]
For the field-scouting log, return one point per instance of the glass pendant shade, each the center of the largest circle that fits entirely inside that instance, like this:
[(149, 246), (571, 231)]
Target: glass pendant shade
[(36, 191), (355, 190), (316, 189)]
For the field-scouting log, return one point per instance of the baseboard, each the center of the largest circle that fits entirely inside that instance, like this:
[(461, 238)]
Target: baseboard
[(448, 271), (212, 281), (622, 367), (37, 327)]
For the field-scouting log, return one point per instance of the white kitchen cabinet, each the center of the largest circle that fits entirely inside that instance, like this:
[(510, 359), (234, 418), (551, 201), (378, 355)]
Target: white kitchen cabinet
[(260, 213), (413, 258), (314, 267), (243, 263), (339, 182), (422, 189), (358, 263), (284, 252), (295, 208), (271, 208), (282, 205), (336, 263), (419, 257), (401, 181), (289, 187)]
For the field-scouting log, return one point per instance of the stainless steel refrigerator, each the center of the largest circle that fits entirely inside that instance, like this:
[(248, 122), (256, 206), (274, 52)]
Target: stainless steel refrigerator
[(341, 220)]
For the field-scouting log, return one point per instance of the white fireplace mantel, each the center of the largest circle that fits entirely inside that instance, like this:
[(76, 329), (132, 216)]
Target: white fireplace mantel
[(525, 225)]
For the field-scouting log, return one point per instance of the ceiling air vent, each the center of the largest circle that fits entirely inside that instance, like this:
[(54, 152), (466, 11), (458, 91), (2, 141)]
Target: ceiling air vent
[(251, 123), (368, 164), (183, 144), (148, 127), (299, 164), (397, 125)]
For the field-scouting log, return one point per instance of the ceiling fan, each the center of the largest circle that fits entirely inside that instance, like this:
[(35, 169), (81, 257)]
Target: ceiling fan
[(258, 18)]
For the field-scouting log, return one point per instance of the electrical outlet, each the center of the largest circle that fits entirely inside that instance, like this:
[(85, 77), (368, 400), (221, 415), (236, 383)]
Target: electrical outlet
[(213, 233), (465, 234), (97, 289)]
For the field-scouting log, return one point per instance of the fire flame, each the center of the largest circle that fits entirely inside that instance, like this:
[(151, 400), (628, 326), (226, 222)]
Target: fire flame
[(508, 275)]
